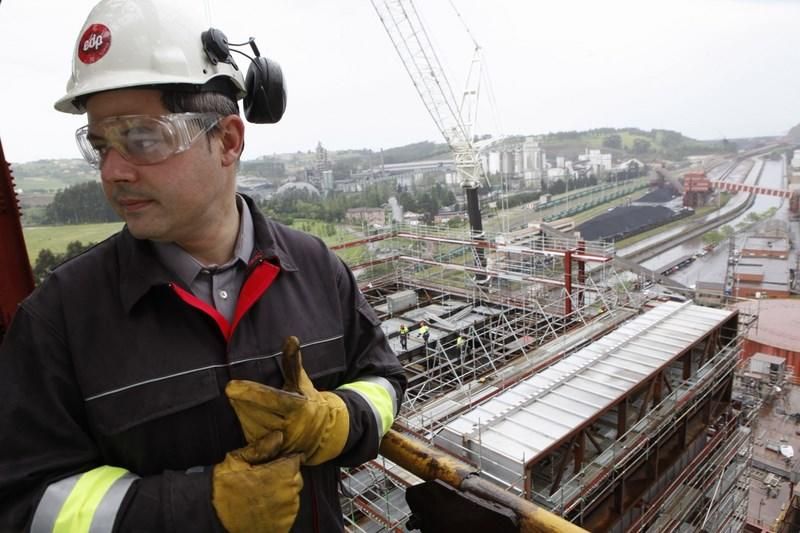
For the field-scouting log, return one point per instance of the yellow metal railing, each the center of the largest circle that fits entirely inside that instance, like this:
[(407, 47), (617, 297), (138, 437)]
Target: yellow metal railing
[(429, 463)]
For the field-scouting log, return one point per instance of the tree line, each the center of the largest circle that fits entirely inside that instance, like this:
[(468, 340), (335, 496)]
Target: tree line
[(300, 203), (46, 261), (84, 203)]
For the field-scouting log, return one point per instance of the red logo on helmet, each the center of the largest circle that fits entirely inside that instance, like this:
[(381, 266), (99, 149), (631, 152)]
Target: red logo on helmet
[(94, 43)]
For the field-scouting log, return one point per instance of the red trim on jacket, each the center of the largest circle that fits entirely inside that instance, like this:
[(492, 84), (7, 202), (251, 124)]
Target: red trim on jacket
[(199, 304), (254, 287)]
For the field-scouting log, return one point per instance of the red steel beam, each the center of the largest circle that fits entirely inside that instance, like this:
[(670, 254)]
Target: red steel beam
[(568, 283), (16, 281), (365, 240)]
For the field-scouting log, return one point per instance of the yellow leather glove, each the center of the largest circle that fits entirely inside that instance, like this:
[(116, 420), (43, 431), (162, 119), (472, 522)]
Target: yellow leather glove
[(250, 493), (313, 423)]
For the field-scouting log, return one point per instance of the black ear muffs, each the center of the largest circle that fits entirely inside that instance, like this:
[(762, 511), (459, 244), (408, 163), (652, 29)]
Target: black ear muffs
[(265, 101)]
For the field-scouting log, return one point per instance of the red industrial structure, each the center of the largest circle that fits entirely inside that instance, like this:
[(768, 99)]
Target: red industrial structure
[(17, 279), (697, 186)]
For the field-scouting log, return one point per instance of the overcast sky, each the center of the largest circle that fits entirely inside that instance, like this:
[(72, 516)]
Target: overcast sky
[(707, 68)]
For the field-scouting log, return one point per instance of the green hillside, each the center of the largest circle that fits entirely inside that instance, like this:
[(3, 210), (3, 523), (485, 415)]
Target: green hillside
[(52, 175), (794, 133), (632, 142)]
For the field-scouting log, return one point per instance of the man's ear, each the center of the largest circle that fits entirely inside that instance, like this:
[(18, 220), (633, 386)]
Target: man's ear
[(231, 134)]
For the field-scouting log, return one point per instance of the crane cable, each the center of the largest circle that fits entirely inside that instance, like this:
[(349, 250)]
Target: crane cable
[(458, 14), (485, 73)]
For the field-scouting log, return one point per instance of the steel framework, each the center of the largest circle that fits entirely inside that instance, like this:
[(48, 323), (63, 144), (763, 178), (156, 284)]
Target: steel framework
[(548, 296)]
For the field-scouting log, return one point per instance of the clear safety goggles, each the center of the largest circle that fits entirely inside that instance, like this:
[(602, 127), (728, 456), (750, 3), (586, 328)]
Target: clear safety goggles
[(143, 139)]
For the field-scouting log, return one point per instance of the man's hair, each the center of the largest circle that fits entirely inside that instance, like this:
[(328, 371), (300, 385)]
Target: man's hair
[(177, 101), (181, 101)]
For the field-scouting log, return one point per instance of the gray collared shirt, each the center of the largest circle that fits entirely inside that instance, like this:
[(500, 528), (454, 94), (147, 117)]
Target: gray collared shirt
[(217, 285)]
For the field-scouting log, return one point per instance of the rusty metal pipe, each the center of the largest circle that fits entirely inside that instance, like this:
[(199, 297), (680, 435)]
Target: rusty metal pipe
[(429, 463)]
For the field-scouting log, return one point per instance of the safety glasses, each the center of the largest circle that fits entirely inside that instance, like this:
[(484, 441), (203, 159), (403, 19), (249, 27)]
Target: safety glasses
[(143, 139)]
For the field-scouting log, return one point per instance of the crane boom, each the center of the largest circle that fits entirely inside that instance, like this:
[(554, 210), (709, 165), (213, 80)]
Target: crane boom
[(412, 43)]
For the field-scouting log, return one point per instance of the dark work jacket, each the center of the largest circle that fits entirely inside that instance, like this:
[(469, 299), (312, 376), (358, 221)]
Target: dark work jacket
[(109, 362)]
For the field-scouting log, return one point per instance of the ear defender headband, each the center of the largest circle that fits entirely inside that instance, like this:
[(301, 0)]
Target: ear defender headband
[(265, 101)]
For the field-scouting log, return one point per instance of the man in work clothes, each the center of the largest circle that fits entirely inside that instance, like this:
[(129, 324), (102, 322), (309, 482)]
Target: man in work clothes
[(424, 332), (142, 388), (404, 336)]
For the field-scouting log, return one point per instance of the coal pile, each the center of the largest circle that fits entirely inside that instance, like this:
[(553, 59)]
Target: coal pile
[(625, 221), (659, 196)]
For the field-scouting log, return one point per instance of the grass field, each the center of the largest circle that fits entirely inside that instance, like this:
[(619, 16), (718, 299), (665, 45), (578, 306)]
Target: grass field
[(321, 229), (333, 234), (56, 238)]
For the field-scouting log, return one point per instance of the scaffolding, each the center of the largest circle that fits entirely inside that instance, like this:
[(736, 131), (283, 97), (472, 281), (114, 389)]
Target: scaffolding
[(533, 289), (536, 298)]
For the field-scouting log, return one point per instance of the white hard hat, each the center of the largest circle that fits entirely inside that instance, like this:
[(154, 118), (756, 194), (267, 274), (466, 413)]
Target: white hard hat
[(133, 43)]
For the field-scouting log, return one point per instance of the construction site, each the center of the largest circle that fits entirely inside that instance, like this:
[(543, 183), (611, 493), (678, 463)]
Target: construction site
[(557, 381), (549, 390)]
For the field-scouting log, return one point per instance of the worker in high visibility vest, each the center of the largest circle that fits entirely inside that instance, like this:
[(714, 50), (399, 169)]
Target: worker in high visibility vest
[(404, 336), (424, 332)]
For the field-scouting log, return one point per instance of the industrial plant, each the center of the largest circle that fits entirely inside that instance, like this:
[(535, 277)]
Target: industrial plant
[(559, 383)]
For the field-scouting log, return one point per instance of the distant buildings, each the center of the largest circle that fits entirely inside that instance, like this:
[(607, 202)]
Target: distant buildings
[(596, 159), (372, 216), (523, 161), (294, 186), (411, 173), (523, 164), (795, 163), (762, 271)]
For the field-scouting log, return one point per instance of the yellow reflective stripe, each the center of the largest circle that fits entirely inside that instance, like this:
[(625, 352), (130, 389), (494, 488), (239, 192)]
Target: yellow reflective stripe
[(380, 396), (78, 511)]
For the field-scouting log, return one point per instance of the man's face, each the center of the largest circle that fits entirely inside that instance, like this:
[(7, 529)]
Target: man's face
[(182, 199)]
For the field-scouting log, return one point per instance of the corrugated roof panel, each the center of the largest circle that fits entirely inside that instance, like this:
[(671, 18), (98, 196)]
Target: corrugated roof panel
[(534, 415), (560, 414), (524, 424), (626, 369), (645, 357), (583, 406), (512, 446), (598, 374)]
